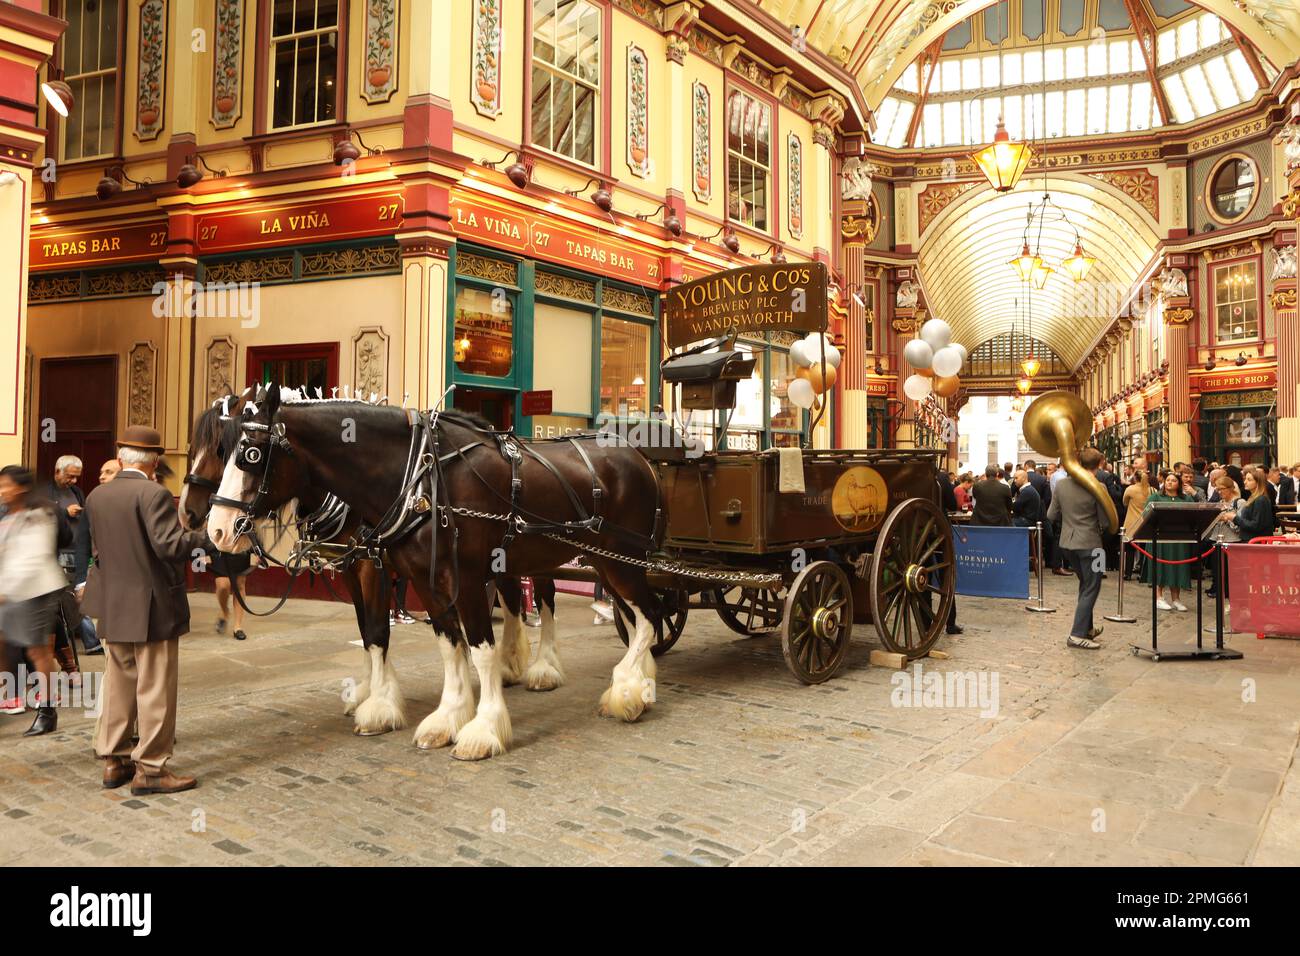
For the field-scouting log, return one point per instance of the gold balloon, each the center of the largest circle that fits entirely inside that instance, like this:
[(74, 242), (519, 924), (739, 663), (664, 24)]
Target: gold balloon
[(926, 372), (801, 371), (947, 385), (819, 383)]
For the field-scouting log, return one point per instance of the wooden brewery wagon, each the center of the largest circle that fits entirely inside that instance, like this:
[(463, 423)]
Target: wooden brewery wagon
[(865, 541)]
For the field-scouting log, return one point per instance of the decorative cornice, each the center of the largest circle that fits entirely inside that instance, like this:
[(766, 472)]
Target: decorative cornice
[(1283, 299), (1178, 316), (1229, 134)]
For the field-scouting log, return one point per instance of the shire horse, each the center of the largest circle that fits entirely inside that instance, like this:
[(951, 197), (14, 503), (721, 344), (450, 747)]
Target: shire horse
[(216, 433), (467, 504)]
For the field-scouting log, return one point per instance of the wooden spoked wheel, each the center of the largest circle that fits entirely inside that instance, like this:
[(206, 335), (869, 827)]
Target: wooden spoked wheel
[(749, 611), (670, 628), (818, 621), (913, 576)]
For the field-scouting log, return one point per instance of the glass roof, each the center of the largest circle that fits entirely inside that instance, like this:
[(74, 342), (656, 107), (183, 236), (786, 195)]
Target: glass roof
[(1099, 86)]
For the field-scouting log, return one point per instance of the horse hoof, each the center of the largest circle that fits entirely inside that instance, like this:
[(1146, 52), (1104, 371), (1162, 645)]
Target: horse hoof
[(479, 740), (624, 701), (542, 676)]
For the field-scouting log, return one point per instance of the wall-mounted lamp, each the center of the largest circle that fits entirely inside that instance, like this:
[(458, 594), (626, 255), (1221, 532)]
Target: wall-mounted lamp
[(345, 152), (1210, 363), (517, 172), (879, 369), (1241, 358), (671, 222), (601, 198), (778, 255), (190, 174), (729, 240), (59, 95), (110, 185)]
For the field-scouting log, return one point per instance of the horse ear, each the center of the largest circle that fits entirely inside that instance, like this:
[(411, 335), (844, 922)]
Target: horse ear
[(272, 401)]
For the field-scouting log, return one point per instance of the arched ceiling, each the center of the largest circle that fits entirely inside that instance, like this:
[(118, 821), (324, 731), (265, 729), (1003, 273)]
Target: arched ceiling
[(876, 39), (967, 281)]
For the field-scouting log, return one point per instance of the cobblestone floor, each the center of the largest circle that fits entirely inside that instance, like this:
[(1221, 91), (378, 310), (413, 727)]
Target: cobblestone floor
[(1093, 758)]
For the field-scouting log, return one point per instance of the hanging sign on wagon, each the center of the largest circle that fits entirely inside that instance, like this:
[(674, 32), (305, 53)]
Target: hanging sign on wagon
[(321, 220), (764, 298), (97, 245), (550, 238)]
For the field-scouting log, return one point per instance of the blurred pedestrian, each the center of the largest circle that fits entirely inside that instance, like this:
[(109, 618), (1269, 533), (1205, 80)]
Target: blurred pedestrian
[(30, 582)]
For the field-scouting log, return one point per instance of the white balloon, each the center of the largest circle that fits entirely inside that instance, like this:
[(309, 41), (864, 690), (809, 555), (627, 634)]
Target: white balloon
[(800, 392), (799, 354), (937, 332), (916, 387), (961, 348), (833, 357), (918, 353), (947, 361)]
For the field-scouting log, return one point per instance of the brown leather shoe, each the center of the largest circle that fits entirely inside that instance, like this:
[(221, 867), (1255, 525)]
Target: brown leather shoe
[(117, 771), (166, 782)]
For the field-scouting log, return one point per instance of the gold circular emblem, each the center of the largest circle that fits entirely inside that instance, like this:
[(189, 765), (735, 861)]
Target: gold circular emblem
[(859, 499)]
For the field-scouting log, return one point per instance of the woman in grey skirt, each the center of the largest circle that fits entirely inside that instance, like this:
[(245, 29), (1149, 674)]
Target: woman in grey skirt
[(30, 581)]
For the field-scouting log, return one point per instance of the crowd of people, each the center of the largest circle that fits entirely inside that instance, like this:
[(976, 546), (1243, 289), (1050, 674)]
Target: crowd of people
[(1076, 539)]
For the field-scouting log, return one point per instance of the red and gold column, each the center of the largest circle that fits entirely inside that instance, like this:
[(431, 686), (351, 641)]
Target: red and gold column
[(29, 37), (1283, 301), (1178, 316)]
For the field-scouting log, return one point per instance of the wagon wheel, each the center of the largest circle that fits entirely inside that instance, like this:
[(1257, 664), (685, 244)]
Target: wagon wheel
[(670, 628), (913, 565), (818, 621), (752, 612)]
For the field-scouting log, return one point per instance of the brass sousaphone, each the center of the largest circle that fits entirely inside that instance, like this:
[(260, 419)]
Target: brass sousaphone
[(1058, 424)]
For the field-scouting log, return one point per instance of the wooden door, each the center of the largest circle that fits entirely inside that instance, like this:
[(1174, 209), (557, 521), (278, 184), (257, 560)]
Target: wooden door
[(78, 409)]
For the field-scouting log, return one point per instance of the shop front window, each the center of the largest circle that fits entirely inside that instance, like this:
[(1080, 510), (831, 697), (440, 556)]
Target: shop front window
[(484, 331), (787, 419), (1236, 303), (624, 367), (295, 366), (304, 58), (562, 356)]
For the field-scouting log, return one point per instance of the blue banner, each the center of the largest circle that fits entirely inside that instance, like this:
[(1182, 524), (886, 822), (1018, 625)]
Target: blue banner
[(992, 561)]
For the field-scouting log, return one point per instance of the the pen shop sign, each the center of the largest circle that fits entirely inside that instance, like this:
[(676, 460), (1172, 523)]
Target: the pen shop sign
[(765, 298)]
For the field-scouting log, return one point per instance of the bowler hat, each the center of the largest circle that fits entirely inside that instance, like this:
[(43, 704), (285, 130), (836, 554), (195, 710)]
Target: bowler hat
[(141, 437)]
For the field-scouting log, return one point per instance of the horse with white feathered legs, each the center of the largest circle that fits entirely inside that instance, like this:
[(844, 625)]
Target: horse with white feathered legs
[(327, 524), (446, 501)]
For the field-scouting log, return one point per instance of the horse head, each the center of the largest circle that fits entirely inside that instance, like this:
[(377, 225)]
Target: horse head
[(260, 475), (216, 432)]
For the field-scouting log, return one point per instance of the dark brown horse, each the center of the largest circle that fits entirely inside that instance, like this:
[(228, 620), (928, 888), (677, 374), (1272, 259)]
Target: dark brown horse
[(367, 455), (216, 432)]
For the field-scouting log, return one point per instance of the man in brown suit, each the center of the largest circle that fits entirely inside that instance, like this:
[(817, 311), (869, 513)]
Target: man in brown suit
[(137, 590)]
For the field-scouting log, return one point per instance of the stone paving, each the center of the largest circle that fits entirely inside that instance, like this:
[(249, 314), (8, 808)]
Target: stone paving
[(1092, 758)]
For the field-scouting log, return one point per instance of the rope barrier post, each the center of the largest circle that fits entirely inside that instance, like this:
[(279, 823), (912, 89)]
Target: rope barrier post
[(1039, 608), (1119, 617)]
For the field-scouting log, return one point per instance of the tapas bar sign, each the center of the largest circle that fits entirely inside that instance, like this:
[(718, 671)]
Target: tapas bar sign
[(96, 245), (549, 238), (322, 220), (766, 298)]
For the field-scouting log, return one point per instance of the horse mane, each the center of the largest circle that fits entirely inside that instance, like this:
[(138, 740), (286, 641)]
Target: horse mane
[(215, 428)]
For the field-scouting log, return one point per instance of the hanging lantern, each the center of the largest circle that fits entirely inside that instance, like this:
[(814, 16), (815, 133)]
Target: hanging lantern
[(1031, 366), (1003, 161), (1025, 263), (1023, 385), (1078, 264), (1042, 272)]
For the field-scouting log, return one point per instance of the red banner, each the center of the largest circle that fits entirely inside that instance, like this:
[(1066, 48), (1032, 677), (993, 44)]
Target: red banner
[(322, 220), (1264, 588), (93, 245), (550, 238)]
